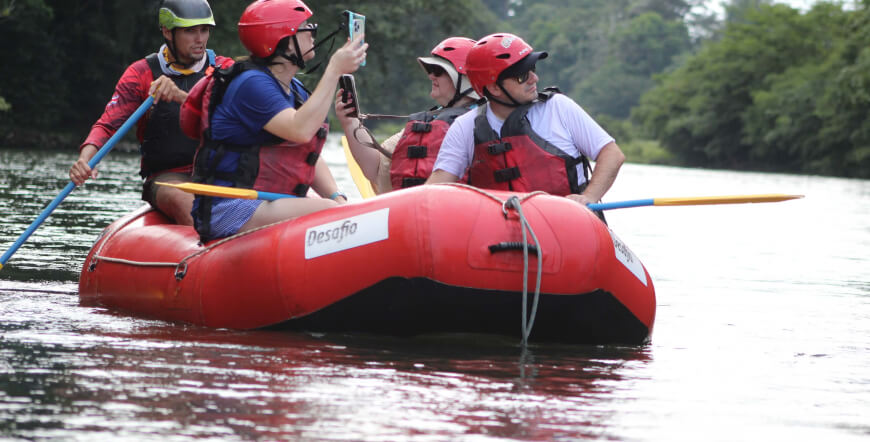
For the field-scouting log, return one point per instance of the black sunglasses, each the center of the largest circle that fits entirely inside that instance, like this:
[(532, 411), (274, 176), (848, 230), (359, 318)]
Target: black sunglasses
[(524, 77), (434, 69), (311, 27)]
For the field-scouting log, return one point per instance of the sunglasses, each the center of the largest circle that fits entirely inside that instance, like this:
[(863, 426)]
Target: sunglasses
[(311, 27), (524, 77), (434, 69)]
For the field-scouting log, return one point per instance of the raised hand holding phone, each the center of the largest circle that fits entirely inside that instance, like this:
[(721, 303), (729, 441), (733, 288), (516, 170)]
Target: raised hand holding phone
[(356, 26)]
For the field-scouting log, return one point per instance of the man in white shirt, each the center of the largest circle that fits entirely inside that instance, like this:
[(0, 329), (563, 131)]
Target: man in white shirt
[(522, 140)]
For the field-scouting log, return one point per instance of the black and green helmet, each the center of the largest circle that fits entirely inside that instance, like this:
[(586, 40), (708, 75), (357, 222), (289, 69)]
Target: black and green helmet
[(185, 13)]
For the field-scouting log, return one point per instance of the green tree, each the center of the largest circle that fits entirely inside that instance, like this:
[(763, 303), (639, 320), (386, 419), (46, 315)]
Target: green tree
[(68, 55), (781, 91), (604, 52), (813, 117), (696, 110), (399, 32)]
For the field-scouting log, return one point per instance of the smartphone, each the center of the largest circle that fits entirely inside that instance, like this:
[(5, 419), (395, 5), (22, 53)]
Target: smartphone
[(347, 83), (356, 24)]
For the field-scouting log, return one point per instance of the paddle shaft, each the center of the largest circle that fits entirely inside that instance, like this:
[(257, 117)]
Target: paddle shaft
[(694, 201), (71, 185)]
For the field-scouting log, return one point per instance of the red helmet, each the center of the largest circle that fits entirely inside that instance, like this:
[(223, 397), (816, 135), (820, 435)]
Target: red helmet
[(455, 50), (492, 54), (265, 22)]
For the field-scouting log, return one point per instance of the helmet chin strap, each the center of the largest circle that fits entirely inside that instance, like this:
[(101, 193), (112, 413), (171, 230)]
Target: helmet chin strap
[(171, 45), (459, 93), (300, 60), (513, 103), (458, 96)]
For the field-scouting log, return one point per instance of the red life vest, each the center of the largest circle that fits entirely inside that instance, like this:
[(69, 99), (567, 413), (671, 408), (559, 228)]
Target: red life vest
[(418, 147), (193, 118), (520, 160), (281, 166)]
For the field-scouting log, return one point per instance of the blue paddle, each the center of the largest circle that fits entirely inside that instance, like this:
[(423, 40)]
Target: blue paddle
[(71, 185), (695, 201), (233, 192)]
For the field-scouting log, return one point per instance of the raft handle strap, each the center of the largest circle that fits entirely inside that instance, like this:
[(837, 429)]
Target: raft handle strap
[(528, 322), (180, 270), (512, 245)]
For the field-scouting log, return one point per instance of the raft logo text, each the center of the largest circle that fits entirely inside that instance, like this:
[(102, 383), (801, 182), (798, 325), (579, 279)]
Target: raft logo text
[(627, 258), (347, 233)]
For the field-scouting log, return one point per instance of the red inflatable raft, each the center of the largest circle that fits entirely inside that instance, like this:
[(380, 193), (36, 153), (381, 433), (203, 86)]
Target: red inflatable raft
[(431, 259)]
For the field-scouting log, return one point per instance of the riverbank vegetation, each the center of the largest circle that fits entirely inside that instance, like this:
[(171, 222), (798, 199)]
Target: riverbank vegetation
[(764, 87)]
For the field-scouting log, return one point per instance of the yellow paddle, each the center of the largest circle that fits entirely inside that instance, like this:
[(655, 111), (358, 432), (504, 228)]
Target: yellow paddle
[(234, 192), (362, 184), (226, 192), (696, 201)]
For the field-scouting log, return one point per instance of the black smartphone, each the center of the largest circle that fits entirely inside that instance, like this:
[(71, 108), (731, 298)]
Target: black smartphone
[(348, 86)]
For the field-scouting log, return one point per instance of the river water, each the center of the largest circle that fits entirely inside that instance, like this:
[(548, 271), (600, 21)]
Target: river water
[(762, 333)]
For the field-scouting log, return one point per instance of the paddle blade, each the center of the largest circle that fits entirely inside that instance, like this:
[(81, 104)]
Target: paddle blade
[(362, 184), (733, 199), (694, 201), (209, 190)]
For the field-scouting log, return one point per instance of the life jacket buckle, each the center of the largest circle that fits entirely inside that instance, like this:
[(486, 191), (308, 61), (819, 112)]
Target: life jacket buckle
[(417, 151), (311, 159), (499, 148), (301, 190), (421, 127)]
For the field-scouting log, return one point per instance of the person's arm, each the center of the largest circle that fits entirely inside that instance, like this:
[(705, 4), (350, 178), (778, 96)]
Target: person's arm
[(587, 135), (80, 171), (454, 156), (324, 183), (607, 166), (129, 94), (164, 89), (300, 125), (368, 159), (440, 176)]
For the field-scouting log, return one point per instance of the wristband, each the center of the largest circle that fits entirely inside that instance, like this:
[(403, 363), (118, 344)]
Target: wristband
[(337, 194)]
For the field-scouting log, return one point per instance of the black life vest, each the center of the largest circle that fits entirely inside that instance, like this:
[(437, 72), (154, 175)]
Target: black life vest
[(164, 146), (519, 159), (418, 147)]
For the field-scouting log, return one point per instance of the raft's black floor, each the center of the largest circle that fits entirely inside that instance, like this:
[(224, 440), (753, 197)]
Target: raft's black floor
[(408, 307)]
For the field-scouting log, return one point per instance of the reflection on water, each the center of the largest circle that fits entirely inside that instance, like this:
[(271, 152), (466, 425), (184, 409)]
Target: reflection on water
[(96, 373), (763, 333)]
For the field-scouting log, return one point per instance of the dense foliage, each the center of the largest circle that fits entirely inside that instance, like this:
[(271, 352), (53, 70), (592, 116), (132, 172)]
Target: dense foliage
[(767, 88), (67, 55), (779, 91)]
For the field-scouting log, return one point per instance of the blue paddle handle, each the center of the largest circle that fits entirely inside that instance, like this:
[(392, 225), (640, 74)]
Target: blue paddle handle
[(71, 185), (621, 204), (271, 196)]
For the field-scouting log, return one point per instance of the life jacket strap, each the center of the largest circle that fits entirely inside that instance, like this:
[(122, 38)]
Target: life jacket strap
[(499, 148), (508, 174), (411, 182), (417, 151)]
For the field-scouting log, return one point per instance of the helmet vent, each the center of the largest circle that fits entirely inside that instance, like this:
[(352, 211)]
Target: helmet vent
[(503, 56), (449, 48), (299, 8)]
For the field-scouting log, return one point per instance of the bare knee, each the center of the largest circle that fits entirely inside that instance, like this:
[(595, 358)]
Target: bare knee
[(176, 204), (285, 209)]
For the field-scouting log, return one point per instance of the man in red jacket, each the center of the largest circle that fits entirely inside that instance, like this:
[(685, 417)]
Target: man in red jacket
[(168, 74)]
